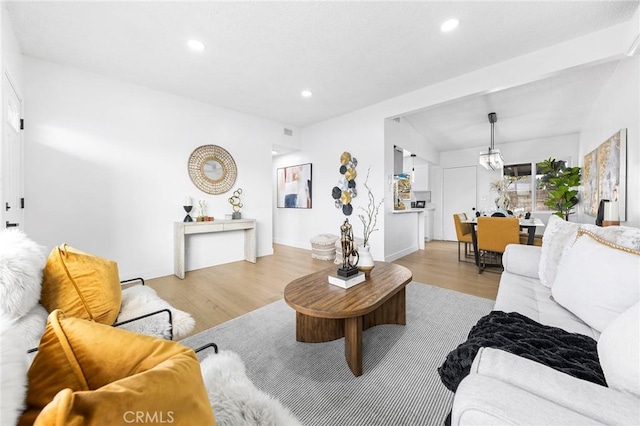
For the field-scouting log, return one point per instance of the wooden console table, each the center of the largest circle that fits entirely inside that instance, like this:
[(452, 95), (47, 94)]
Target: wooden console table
[(181, 229)]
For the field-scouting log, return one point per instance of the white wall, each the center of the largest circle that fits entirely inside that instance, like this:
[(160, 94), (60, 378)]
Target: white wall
[(401, 230), (362, 136), (11, 64), (618, 107), (106, 169)]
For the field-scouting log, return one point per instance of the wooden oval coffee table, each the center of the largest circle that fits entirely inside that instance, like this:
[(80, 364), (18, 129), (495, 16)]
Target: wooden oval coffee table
[(325, 312)]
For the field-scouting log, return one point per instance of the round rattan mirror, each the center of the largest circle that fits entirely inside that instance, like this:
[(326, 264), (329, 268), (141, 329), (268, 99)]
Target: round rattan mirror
[(212, 169)]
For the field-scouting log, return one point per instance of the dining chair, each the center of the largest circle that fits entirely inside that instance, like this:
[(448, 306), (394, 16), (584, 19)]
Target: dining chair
[(493, 235), (524, 239), (463, 233)]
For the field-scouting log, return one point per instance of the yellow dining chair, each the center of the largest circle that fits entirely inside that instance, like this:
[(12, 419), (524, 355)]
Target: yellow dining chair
[(463, 232), (494, 234)]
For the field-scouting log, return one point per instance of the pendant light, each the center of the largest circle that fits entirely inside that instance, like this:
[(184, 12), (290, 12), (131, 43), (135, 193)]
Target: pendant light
[(492, 159)]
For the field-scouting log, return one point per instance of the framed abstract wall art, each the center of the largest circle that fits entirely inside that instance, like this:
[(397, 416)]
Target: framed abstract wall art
[(605, 174), (590, 184), (294, 187)]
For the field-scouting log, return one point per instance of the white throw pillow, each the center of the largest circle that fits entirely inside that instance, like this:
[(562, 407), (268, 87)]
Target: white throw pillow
[(557, 239), (21, 264), (596, 281), (619, 351), (13, 372)]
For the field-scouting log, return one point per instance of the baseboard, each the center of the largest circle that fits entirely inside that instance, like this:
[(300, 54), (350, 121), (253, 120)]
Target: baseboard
[(401, 253), (290, 243)]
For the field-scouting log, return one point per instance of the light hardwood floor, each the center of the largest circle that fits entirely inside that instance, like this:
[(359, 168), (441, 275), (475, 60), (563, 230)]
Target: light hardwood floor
[(220, 293)]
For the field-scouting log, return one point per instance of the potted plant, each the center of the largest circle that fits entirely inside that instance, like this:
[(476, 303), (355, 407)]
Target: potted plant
[(369, 220), (562, 184)]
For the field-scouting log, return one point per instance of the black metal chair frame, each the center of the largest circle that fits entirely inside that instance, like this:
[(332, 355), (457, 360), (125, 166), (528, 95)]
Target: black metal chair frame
[(168, 312), (208, 345)]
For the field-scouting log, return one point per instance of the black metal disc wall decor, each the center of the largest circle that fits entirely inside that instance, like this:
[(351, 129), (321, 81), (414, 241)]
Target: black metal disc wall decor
[(212, 169), (345, 190)]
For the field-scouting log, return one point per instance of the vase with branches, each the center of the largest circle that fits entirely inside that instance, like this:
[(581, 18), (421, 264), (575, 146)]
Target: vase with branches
[(370, 216), (501, 186), (369, 219)]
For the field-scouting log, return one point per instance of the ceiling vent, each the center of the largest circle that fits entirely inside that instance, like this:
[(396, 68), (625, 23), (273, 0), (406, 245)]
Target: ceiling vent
[(288, 132)]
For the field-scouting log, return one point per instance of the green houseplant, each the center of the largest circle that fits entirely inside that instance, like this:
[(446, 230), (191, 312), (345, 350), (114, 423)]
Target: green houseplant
[(562, 184)]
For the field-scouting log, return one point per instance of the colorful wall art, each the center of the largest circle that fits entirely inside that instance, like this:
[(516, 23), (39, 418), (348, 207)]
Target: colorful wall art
[(294, 186)]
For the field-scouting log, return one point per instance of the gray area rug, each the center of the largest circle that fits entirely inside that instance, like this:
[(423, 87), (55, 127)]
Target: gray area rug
[(400, 383)]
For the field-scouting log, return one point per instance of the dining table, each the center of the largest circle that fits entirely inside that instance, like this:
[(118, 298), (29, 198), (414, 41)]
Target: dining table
[(530, 225)]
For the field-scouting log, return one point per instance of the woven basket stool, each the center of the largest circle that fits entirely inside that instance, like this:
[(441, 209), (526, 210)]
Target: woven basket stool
[(322, 246)]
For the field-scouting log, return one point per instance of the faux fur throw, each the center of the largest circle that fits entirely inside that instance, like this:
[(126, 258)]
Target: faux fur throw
[(234, 399), (13, 372), (140, 300), (21, 264), (571, 353)]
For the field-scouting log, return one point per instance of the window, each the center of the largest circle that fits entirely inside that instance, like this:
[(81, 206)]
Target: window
[(519, 191), (524, 177)]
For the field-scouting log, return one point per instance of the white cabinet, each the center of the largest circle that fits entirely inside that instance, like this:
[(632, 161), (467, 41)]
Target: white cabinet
[(421, 179)]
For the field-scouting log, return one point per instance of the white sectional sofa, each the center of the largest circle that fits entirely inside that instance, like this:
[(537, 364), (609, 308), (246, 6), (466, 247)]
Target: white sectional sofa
[(599, 280)]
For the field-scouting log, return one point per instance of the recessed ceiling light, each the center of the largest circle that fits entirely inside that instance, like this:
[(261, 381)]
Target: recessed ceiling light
[(449, 25), (195, 45), (306, 93)]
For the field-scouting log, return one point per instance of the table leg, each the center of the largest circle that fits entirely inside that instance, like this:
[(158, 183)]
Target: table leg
[(532, 235), (250, 245), (474, 240), (178, 251), (353, 344)]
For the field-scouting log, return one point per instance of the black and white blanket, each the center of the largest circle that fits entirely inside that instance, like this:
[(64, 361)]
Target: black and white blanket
[(572, 353)]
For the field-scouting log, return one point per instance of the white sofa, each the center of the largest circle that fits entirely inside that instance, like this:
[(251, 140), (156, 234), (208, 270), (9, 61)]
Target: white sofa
[(503, 388)]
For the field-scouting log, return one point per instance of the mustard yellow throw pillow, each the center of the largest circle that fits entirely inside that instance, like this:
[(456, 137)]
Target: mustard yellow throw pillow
[(82, 285), (86, 373)]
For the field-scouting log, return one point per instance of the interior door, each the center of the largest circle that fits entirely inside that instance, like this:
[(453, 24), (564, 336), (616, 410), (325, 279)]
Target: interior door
[(12, 177), (459, 196)]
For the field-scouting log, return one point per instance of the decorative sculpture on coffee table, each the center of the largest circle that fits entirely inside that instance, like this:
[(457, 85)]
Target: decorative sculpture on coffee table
[(236, 203), (348, 251)]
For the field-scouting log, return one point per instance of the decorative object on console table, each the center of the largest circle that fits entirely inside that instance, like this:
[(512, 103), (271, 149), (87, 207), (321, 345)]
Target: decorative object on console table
[(348, 268), (346, 190), (236, 203), (202, 215), (369, 220), (188, 205), (212, 169), (611, 214)]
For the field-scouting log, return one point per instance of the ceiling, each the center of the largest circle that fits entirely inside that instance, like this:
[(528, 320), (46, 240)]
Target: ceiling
[(259, 56), (554, 106)]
